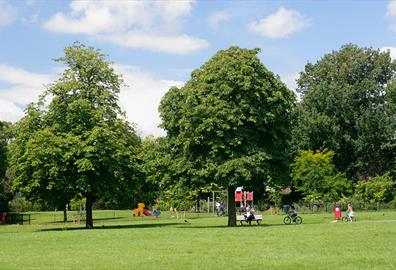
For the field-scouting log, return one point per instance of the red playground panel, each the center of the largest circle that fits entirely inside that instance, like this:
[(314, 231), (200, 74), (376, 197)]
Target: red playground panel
[(146, 212), (239, 196), (250, 196), (243, 197)]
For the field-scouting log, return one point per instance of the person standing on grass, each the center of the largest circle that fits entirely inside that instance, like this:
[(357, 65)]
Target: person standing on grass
[(217, 208), (350, 213)]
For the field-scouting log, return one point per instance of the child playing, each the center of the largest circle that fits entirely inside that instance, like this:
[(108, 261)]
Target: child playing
[(350, 213), (293, 212)]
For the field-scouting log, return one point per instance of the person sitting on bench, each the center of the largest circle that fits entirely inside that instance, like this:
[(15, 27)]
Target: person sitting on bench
[(249, 214)]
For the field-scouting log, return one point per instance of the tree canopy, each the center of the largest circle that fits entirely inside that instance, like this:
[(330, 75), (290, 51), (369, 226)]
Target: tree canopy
[(80, 143), (348, 106), (230, 123), (5, 136)]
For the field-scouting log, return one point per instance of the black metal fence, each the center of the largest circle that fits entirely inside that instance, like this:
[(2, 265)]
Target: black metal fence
[(15, 218)]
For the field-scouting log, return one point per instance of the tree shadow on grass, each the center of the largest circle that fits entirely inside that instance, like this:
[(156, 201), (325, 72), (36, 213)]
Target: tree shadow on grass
[(70, 221), (237, 226), (103, 227)]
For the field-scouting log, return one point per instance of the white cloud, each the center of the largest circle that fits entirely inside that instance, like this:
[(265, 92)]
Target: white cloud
[(391, 50), (19, 76), (182, 44), (24, 87), (29, 19), (174, 9), (391, 9), (391, 13), (291, 82), (280, 24), (7, 13), (9, 111), (150, 25), (218, 17), (141, 98)]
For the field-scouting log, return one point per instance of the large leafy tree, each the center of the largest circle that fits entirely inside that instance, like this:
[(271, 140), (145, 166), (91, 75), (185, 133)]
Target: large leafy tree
[(80, 144), (5, 136), (37, 160), (4, 126), (229, 124), (347, 106)]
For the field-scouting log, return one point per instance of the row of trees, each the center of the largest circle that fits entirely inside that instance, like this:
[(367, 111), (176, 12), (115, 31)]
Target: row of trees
[(233, 123)]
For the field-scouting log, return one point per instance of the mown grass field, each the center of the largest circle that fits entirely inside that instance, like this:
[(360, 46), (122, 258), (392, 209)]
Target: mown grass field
[(120, 241)]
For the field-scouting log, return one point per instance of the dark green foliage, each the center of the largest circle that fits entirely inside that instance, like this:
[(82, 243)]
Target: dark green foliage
[(348, 106), (80, 143), (230, 123), (4, 126), (5, 192)]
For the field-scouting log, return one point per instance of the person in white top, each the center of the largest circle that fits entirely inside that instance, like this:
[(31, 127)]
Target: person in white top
[(249, 213), (350, 213)]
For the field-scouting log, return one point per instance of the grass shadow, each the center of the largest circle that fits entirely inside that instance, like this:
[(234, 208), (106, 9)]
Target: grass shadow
[(104, 227), (238, 225), (69, 221)]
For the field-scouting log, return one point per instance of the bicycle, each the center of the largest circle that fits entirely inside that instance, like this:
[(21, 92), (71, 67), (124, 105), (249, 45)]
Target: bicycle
[(348, 218), (296, 219)]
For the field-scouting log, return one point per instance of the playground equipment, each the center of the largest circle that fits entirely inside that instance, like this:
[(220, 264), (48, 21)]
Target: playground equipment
[(140, 211), (243, 197)]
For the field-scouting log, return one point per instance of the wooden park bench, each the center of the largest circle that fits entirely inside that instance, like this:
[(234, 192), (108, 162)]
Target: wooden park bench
[(257, 218)]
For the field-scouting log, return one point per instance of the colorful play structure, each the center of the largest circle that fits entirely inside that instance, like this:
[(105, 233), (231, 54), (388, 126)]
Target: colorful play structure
[(140, 211), (243, 197)]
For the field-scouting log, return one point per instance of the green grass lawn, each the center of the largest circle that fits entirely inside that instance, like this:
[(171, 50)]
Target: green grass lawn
[(120, 241)]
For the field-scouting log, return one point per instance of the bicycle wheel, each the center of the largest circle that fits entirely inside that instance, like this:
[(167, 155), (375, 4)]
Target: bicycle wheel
[(345, 219), (298, 220), (287, 220)]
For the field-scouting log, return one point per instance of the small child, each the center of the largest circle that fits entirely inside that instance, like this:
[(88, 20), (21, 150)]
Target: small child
[(350, 213), (293, 212)]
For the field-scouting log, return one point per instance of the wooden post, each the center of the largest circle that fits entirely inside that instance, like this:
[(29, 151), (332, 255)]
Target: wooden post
[(213, 202)]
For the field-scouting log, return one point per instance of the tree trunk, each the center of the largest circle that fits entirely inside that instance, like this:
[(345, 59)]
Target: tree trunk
[(231, 207), (65, 214), (88, 219), (198, 204)]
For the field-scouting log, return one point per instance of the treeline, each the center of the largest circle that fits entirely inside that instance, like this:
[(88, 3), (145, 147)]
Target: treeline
[(233, 123)]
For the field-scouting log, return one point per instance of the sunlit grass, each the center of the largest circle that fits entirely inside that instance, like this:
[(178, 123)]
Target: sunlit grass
[(203, 242)]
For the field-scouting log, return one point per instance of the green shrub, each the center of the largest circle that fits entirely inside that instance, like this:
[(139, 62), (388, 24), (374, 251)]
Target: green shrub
[(316, 177), (379, 189), (22, 205), (77, 204)]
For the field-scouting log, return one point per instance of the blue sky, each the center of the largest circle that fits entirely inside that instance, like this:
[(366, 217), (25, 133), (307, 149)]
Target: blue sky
[(156, 44)]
